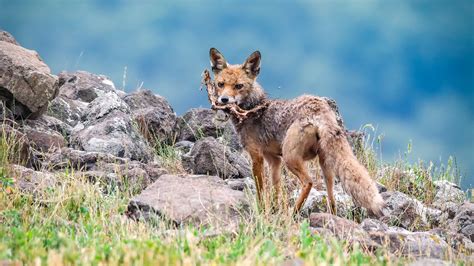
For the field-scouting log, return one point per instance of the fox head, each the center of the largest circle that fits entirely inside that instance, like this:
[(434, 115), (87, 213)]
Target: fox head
[(237, 83)]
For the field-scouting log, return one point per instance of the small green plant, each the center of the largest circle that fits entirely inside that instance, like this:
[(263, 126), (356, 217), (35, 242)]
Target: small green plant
[(169, 157)]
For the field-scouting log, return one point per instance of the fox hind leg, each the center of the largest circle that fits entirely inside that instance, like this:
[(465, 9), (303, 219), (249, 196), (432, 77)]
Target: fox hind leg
[(299, 145)]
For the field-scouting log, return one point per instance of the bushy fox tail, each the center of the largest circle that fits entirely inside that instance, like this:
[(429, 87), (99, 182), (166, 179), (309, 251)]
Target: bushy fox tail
[(336, 154)]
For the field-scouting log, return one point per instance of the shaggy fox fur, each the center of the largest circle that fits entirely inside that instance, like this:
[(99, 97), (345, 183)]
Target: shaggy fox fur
[(292, 131)]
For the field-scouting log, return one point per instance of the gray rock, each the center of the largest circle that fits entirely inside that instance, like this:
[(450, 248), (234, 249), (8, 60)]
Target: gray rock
[(463, 222), (342, 229), (109, 128), (339, 226), (26, 83), (208, 156), (201, 200), (134, 176), (408, 212), (79, 160), (457, 241), (84, 86), (184, 146), (242, 184), (430, 262), (7, 37), (105, 168), (373, 234), (198, 123), (448, 197), (46, 133), (69, 111), (317, 202), (372, 225), (412, 244), (153, 114), (30, 181)]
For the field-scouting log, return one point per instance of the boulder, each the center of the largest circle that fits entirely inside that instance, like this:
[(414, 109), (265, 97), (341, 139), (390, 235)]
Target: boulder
[(407, 212), (110, 129), (430, 262), (153, 114), (7, 37), (46, 133), (403, 242), (463, 221), (69, 111), (26, 82), (84, 86), (198, 123), (412, 244), (456, 240), (373, 225), (342, 229), (208, 156), (317, 202), (183, 146), (184, 199), (242, 184), (372, 234), (133, 176), (68, 158), (30, 181), (448, 197), (110, 170)]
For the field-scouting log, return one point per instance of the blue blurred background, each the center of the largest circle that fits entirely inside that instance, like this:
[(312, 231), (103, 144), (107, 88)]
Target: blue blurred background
[(404, 67)]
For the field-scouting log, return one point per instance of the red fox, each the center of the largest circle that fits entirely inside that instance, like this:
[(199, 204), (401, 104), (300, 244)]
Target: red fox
[(292, 131)]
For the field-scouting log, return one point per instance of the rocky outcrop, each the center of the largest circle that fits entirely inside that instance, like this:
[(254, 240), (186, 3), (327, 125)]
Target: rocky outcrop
[(67, 110), (208, 156), (30, 181), (84, 86), (7, 37), (317, 202), (185, 199), (154, 115), (463, 221), (26, 82), (104, 167), (374, 234), (199, 123), (46, 133), (109, 128), (408, 212), (448, 197)]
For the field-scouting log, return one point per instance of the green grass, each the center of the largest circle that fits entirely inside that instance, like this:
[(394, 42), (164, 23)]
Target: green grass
[(75, 222)]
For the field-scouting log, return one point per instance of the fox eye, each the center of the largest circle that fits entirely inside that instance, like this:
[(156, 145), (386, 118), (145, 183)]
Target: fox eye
[(220, 84), (239, 86)]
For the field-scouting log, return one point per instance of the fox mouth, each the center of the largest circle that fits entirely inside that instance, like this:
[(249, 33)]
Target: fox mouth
[(223, 100)]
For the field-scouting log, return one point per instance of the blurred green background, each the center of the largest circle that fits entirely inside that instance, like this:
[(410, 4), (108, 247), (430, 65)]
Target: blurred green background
[(404, 67)]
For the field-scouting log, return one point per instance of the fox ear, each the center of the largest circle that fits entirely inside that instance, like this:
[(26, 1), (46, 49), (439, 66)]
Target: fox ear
[(218, 62), (252, 64)]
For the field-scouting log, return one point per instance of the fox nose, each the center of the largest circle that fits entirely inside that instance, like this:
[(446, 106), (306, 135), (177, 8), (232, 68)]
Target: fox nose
[(224, 99)]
